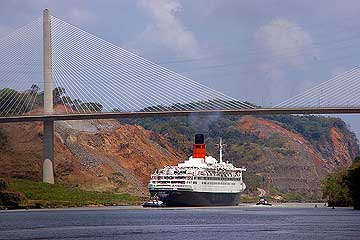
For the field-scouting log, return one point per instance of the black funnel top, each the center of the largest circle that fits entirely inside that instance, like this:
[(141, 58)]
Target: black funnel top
[(199, 138)]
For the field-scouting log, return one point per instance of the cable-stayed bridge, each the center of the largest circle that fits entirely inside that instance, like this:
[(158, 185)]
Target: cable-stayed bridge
[(51, 70)]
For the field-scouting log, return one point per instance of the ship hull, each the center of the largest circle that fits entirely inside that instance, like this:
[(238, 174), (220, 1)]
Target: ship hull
[(174, 198)]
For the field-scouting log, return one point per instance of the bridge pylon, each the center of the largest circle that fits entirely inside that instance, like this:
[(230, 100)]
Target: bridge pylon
[(48, 125)]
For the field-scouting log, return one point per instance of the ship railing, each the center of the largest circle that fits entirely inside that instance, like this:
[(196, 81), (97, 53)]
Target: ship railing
[(164, 182), (242, 169), (173, 174), (173, 186), (172, 177)]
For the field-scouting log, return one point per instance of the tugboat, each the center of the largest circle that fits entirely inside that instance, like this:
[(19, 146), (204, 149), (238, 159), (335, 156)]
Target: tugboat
[(154, 202), (199, 181), (263, 201)]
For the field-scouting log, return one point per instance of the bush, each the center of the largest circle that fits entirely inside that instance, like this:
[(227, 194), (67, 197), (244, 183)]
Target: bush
[(11, 198), (335, 189), (3, 184), (3, 139), (353, 183)]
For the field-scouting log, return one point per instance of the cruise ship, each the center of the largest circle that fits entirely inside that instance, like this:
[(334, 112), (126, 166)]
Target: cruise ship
[(199, 181)]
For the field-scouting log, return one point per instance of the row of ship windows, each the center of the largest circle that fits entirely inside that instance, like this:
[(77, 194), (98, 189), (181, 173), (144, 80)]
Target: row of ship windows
[(201, 178), (170, 177), (218, 183), (216, 178), (208, 183)]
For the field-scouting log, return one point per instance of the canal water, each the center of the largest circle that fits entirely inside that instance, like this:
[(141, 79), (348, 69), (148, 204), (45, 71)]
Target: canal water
[(244, 222)]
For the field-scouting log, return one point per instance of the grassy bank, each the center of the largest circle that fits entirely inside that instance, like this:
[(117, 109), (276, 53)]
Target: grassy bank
[(40, 194)]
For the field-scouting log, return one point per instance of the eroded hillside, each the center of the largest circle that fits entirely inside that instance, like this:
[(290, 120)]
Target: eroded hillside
[(288, 161), (283, 154), (101, 155), (106, 155)]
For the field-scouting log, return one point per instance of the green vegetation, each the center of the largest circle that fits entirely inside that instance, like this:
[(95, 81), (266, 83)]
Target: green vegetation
[(180, 132), (335, 189), (115, 179), (33, 98), (342, 187), (3, 139), (242, 148), (45, 195), (248, 199), (9, 199), (295, 197), (252, 181), (198, 105), (353, 183)]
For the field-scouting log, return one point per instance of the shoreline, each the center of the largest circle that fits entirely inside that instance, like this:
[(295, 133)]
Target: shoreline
[(140, 207)]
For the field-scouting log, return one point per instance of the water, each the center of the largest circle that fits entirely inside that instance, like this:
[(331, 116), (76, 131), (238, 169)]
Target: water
[(245, 222)]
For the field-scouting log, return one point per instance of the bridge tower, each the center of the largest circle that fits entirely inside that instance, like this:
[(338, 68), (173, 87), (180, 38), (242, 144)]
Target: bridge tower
[(48, 138)]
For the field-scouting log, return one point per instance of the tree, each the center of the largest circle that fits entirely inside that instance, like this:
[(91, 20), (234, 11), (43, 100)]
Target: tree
[(353, 183), (57, 93), (67, 101), (335, 189), (76, 104), (3, 139), (34, 89), (92, 106)]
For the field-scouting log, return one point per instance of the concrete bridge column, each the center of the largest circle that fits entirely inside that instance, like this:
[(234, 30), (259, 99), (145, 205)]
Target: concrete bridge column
[(48, 152), (48, 140)]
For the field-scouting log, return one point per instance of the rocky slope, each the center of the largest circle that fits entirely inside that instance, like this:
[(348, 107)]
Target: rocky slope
[(283, 154), (106, 155), (291, 163), (101, 155)]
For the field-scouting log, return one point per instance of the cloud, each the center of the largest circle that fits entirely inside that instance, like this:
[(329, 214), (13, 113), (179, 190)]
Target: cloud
[(274, 78), (285, 46), (166, 28), (285, 40)]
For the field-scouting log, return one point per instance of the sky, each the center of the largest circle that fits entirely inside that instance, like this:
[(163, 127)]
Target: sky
[(260, 51)]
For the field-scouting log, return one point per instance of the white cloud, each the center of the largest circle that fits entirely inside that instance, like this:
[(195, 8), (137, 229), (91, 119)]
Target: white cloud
[(285, 40), (287, 48), (166, 27), (274, 78)]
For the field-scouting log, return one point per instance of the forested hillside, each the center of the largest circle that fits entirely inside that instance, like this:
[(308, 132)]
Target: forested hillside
[(282, 153), (286, 155)]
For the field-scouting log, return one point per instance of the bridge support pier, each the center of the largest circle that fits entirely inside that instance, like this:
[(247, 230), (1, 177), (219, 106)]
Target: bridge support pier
[(48, 139), (48, 152)]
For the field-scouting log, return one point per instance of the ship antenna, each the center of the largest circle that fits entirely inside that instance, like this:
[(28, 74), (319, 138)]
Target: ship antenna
[(220, 150)]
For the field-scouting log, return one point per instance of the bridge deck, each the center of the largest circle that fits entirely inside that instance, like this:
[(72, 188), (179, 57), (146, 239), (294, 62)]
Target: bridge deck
[(101, 115)]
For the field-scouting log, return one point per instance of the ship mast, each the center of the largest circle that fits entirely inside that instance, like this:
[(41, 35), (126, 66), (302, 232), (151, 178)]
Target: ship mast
[(220, 150)]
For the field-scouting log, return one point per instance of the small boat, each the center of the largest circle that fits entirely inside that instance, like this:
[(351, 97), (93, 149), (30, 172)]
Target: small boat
[(263, 201), (154, 202)]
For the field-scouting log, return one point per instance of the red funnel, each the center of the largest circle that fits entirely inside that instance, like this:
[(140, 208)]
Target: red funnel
[(199, 147)]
